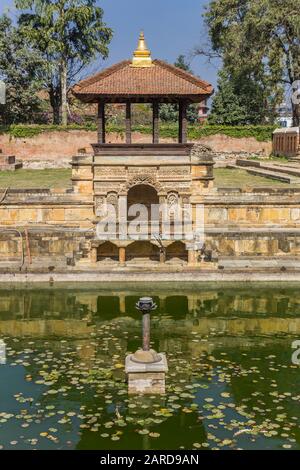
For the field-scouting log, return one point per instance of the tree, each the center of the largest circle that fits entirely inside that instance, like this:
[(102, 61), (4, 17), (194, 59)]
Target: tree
[(182, 63), (227, 108), (260, 40), (241, 101), (19, 65), (169, 112), (69, 34)]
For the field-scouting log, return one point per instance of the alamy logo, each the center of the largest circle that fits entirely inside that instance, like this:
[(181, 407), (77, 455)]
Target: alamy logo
[(140, 222)]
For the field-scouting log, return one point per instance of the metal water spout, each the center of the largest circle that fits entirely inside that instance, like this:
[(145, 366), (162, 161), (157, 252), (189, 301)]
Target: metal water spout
[(146, 369), (146, 305)]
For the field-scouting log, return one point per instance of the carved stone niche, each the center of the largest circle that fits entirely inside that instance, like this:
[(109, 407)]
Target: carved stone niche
[(112, 198), (185, 200), (102, 201), (172, 202), (172, 199), (99, 202)]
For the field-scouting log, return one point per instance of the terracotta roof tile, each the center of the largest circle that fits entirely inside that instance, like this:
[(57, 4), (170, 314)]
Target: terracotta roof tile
[(161, 79)]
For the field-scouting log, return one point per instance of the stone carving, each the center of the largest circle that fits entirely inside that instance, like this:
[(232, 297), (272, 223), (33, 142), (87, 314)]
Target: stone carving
[(185, 200), (104, 187), (174, 171), (99, 202), (110, 171), (141, 179), (133, 170), (181, 187), (172, 199), (112, 198)]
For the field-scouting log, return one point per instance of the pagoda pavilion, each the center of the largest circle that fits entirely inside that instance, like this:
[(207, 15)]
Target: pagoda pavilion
[(129, 173)]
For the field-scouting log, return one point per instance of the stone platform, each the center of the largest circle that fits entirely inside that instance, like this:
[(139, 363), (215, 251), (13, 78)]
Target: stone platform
[(280, 172)]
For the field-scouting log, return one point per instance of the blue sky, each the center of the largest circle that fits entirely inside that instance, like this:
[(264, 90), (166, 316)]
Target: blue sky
[(172, 27)]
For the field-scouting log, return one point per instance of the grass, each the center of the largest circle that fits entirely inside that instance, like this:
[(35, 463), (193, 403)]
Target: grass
[(227, 178), (25, 179), (271, 159), (61, 178)]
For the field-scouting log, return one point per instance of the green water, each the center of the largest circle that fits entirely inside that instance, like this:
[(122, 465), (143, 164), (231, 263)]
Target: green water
[(231, 381)]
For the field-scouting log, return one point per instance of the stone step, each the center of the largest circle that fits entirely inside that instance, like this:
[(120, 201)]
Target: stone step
[(263, 263), (282, 168), (275, 175)]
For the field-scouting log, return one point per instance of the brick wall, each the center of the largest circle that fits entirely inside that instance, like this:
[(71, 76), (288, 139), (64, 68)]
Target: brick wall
[(59, 146)]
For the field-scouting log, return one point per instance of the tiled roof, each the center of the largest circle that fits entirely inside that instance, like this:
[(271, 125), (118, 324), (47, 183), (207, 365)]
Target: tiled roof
[(123, 80)]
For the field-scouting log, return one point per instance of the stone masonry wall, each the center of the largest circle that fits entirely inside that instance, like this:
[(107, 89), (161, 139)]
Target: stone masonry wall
[(43, 249), (59, 229)]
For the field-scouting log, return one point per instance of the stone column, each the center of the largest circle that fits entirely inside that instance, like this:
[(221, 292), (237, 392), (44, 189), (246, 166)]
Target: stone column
[(101, 122), (128, 122), (182, 122), (162, 257), (192, 257), (122, 255), (155, 107), (94, 255)]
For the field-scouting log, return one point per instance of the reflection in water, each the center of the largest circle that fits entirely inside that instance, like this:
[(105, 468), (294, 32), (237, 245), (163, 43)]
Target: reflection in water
[(2, 352), (231, 382)]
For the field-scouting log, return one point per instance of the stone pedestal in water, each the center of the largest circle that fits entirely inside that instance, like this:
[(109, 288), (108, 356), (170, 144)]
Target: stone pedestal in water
[(146, 377), (146, 369)]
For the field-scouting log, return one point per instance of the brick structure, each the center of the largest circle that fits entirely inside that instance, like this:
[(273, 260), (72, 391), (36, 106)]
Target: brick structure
[(286, 142)]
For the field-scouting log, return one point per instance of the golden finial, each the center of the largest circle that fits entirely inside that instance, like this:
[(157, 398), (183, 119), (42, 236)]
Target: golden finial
[(142, 55)]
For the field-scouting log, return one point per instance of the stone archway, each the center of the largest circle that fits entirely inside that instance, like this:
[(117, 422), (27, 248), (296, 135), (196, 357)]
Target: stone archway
[(142, 194), (142, 250), (177, 252), (107, 252)]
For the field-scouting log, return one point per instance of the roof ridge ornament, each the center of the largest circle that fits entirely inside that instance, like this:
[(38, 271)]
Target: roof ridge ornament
[(142, 55)]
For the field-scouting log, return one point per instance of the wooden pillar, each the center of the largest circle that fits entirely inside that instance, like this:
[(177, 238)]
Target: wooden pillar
[(101, 122), (182, 122), (128, 122), (122, 255), (155, 127)]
